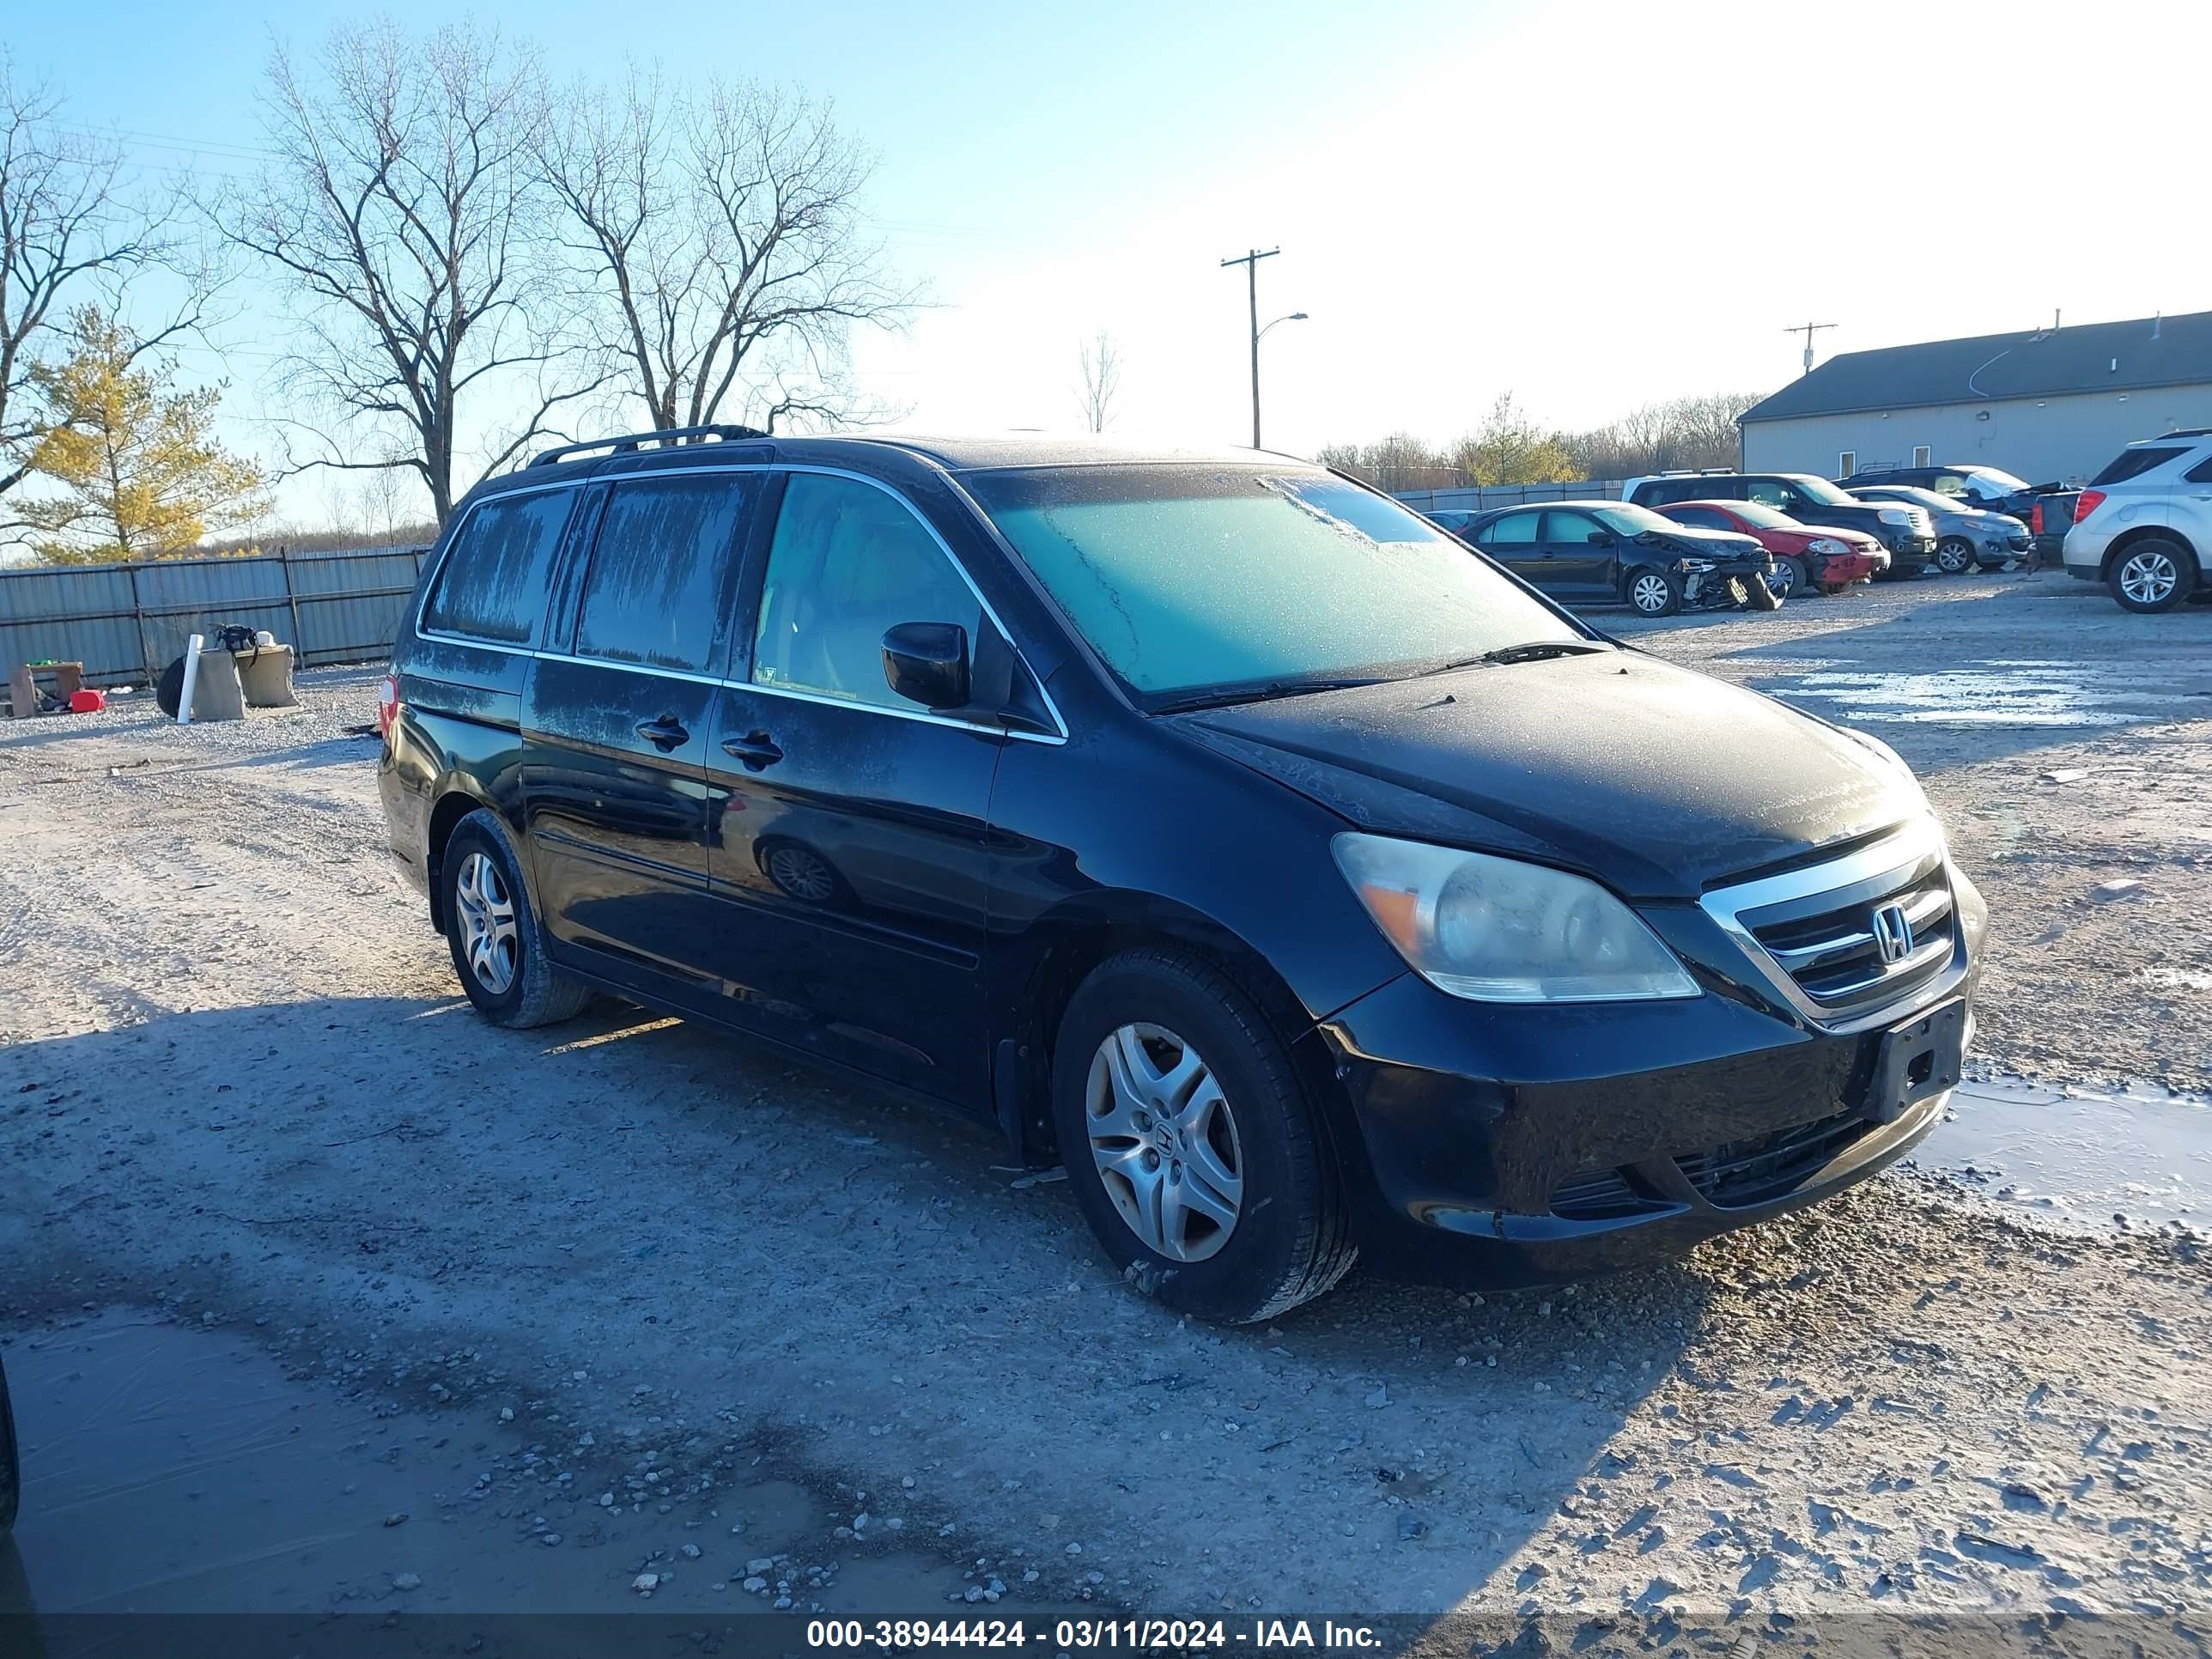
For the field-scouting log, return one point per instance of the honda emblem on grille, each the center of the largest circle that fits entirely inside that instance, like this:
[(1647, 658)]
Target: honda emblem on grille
[(1892, 933)]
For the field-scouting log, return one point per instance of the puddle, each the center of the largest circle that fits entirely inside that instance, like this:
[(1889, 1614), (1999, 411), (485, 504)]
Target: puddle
[(2138, 1158), (168, 1469), (2063, 694)]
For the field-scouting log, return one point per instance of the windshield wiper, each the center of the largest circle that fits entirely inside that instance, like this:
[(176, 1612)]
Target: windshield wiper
[(1529, 651), (1260, 693)]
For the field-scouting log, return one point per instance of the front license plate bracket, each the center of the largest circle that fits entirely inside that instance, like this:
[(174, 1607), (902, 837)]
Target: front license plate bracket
[(1919, 1058)]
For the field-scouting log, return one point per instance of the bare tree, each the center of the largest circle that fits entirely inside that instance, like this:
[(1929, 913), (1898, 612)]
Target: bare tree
[(75, 227), (1101, 379), (721, 246), (403, 212)]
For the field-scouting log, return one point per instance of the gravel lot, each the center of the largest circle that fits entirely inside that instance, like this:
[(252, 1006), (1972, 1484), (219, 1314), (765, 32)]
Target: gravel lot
[(243, 1108)]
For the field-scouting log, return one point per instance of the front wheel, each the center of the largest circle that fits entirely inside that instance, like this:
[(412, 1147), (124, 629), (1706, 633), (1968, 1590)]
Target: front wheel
[(497, 939), (1190, 1144), (1954, 556), (2153, 575), (1653, 593), (1791, 576)]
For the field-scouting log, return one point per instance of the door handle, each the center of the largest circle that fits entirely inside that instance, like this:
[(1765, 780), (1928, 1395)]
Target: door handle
[(665, 733), (754, 752)]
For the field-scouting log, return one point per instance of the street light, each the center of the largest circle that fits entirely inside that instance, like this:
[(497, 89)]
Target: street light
[(1295, 317), (1251, 264)]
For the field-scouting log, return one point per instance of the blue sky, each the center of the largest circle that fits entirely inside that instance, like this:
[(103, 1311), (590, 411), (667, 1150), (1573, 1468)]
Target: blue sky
[(1592, 206)]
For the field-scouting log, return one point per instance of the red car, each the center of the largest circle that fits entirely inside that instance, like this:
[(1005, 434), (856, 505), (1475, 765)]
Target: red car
[(1806, 556)]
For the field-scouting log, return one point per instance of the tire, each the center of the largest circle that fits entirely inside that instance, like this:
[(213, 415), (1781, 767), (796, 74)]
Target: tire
[(169, 690), (506, 970), (2155, 574), (1288, 1233), (1795, 576), (11, 1465), (1954, 556), (1752, 593), (1651, 591)]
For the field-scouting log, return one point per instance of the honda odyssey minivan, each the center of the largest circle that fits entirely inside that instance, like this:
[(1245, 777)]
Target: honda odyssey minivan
[(1213, 825)]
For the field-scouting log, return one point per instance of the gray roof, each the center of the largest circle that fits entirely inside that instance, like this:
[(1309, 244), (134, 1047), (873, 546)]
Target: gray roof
[(1990, 367)]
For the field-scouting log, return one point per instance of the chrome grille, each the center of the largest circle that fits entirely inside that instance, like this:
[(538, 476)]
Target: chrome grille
[(1854, 937)]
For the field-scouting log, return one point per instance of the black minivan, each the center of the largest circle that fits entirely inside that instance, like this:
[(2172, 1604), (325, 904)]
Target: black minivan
[(1308, 885)]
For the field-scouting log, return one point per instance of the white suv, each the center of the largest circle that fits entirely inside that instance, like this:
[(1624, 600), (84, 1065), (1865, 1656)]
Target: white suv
[(2143, 526)]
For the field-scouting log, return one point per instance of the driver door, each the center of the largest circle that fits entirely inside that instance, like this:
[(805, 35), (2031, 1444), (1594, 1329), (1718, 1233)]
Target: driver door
[(1511, 540), (1581, 557)]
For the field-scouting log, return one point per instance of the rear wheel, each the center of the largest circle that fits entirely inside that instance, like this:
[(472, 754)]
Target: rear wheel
[(1954, 556), (2152, 575), (1652, 592), (497, 940), (1190, 1144)]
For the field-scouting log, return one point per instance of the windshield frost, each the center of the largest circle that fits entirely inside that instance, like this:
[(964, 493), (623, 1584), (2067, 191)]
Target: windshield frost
[(1191, 579)]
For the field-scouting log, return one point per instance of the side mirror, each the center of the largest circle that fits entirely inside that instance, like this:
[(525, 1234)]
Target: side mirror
[(1599, 539), (927, 663)]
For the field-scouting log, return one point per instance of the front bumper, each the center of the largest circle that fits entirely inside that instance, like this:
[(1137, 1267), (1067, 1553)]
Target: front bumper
[(1513, 1145), (1850, 568)]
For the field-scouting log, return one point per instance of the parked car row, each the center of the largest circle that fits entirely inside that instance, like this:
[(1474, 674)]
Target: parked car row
[(1608, 552)]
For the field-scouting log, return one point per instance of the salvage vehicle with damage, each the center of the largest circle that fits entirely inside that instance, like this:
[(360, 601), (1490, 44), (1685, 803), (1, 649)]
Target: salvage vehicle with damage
[(1214, 825), (1609, 553)]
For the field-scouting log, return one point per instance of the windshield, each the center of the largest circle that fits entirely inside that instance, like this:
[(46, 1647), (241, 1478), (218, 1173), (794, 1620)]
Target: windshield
[(1994, 483), (1763, 517), (1820, 490), (1629, 520), (1917, 497), (1189, 579)]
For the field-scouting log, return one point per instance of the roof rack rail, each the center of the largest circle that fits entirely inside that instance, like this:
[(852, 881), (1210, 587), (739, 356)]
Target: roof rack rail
[(628, 441), (2185, 432)]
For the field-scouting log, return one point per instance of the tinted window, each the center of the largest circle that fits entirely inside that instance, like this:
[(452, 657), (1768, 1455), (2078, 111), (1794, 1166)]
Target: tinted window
[(1772, 492), (1569, 527), (1514, 530), (655, 585), (493, 586), (2133, 463), (848, 563), (2200, 473)]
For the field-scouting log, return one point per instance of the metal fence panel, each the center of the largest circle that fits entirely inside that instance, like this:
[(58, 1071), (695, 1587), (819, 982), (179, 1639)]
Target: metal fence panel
[(1476, 498), (124, 622)]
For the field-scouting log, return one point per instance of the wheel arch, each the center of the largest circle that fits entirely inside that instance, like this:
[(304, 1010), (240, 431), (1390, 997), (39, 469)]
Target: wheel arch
[(1058, 951), (2137, 534), (455, 799)]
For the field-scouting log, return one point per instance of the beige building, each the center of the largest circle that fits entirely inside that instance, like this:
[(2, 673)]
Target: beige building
[(2050, 405)]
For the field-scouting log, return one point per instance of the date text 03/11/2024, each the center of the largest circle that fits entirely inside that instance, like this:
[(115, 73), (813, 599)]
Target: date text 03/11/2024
[(1075, 1635)]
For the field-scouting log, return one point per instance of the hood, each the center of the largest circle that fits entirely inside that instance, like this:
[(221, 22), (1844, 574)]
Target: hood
[(1653, 780), (1710, 543)]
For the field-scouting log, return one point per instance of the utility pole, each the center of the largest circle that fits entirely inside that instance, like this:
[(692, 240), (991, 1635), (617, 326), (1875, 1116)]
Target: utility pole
[(1251, 264), (1807, 330)]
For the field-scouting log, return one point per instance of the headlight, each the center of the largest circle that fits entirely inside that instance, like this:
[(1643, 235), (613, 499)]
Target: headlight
[(1824, 544), (1896, 515), (1496, 930)]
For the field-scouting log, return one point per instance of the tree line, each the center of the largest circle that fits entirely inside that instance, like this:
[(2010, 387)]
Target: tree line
[(466, 260), (1512, 447)]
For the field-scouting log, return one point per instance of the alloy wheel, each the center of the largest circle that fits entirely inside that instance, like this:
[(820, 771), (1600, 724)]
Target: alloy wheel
[(1648, 594), (2148, 577), (489, 938), (802, 874), (1955, 556), (1783, 582), (1164, 1141)]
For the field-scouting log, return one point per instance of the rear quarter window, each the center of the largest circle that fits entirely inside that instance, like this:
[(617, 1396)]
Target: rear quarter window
[(492, 585), (2133, 464)]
